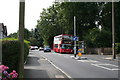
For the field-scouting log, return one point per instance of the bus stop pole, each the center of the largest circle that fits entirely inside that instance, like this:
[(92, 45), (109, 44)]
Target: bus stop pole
[(74, 35)]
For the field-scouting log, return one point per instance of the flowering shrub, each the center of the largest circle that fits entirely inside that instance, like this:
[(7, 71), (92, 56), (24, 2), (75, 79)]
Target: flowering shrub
[(5, 74)]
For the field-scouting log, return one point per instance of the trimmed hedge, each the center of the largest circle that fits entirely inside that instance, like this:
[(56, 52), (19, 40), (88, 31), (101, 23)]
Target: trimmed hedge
[(11, 51), (26, 50), (10, 54)]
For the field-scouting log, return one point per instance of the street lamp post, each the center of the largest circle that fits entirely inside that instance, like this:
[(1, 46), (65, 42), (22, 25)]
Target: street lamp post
[(21, 38), (113, 32)]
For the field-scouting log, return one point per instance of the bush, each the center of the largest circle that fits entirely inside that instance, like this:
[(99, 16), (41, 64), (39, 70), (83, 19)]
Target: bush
[(11, 39), (11, 52), (117, 48), (26, 49)]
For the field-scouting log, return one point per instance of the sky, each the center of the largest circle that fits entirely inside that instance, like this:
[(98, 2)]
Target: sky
[(9, 13)]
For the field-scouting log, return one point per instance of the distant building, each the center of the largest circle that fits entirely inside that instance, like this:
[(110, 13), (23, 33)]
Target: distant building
[(3, 31)]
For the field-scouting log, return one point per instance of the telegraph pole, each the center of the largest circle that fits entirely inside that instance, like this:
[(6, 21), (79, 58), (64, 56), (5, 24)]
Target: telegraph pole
[(74, 35), (21, 38), (113, 32)]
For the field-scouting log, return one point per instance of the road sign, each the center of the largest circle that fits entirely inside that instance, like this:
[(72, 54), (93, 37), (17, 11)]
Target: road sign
[(75, 38)]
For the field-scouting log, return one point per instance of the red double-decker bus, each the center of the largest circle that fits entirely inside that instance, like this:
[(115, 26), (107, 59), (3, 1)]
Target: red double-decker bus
[(63, 43)]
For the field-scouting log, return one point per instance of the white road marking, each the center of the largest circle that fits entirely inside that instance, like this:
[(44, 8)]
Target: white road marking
[(109, 58), (103, 66), (32, 67), (115, 69), (67, 57), (59, 76), (93, 61), (58, 68), (109, 64), (42, 59)]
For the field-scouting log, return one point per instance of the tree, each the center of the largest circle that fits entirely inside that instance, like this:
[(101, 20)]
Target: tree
[(35, 38), (58, 19), (26, 34), (106, 19), (117, 23), (97, 39), (86, 14), (34, 41), (48, 25), (13, 35)]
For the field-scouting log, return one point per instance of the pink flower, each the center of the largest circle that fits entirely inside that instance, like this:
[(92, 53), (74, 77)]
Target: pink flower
[(3, 69), (5, 73), (0, 70), (11, 73), (0, 77), (6, 67), (14, 71), (14, 76)]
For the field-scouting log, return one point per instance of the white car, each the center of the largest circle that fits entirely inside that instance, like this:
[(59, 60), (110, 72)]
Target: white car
[(33, 47), (41, 48)]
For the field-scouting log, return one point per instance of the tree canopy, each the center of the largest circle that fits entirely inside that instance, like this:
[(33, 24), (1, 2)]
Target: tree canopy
[(58, 19)]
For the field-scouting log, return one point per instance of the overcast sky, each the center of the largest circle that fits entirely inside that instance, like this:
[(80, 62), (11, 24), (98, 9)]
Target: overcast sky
[(9, 13)]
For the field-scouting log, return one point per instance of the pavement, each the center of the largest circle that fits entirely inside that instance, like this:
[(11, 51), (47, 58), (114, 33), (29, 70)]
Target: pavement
[(38, 67)]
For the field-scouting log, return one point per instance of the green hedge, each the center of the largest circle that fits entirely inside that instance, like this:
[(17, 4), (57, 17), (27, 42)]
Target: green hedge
[(11, 51), (26, 51), (10, 54)]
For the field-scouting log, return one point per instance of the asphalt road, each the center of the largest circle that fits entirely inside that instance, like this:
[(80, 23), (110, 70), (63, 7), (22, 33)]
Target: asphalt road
[(94, 67), (39, 68)]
